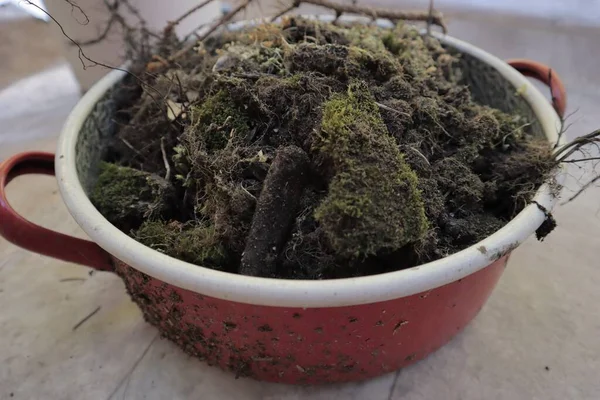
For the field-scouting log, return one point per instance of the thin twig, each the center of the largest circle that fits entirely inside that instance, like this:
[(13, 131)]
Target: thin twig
[(131, 147), (192, 10), (90, 315), (103, 35), (295, 4), (223, 20), (568, 149), (76, 7), (583, 189), (420, 154), (394, 15), (165, 160), (116, 17), (193, 33), (383, 106), (563, 127), (578, 160), (82, 56)]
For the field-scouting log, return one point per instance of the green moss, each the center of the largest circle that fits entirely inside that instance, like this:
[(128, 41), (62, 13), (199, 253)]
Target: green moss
[(411, 50), (379, 65), (392, 43), (373, 202), (216, 120), (195, 244), (126, 196), (362, 36), (267, 59)]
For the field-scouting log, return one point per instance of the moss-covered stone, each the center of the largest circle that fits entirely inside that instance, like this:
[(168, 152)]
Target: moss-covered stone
[(373, 202), (126, 196)]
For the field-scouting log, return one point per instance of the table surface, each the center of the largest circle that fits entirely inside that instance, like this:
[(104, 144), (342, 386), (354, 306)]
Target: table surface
[(537, 338)]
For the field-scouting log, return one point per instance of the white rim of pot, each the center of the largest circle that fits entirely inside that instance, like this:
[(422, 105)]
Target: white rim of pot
[(302, 293)]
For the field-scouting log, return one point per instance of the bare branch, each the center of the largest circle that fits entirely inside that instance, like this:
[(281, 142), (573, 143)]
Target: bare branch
[(83, 57), (568, 149), (76, 7), (171, 25), (223, 20), (580, 160), (103, 35), (295, 4)]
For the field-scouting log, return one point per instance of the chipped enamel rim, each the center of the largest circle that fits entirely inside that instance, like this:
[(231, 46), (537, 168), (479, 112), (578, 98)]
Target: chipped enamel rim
[(302, 293)]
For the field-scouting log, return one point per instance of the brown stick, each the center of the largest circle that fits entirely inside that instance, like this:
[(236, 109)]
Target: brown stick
[(223, 20), (275, 211), (434, 16)]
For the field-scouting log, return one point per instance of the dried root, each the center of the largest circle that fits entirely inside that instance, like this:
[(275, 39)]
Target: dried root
[(275, 211)]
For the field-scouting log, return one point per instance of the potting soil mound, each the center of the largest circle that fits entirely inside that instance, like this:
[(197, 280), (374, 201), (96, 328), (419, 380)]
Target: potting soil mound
[(311, 151)]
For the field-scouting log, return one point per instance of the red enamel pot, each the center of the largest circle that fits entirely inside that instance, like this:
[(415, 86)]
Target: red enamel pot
[(280, 330)]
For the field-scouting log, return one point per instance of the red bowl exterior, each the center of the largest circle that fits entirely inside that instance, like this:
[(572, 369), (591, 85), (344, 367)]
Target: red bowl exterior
[(314, 345)]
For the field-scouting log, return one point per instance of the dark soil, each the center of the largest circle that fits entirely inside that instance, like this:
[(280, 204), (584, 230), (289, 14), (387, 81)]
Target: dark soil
[(311, 151)]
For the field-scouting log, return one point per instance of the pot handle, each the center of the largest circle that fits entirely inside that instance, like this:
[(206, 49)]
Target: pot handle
[(547, 75), (27, 235)]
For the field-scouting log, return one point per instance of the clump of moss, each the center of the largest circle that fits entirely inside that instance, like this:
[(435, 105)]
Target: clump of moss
[(306, 150), (216, 120), (358, 220), (126, 196), (195, 244)]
